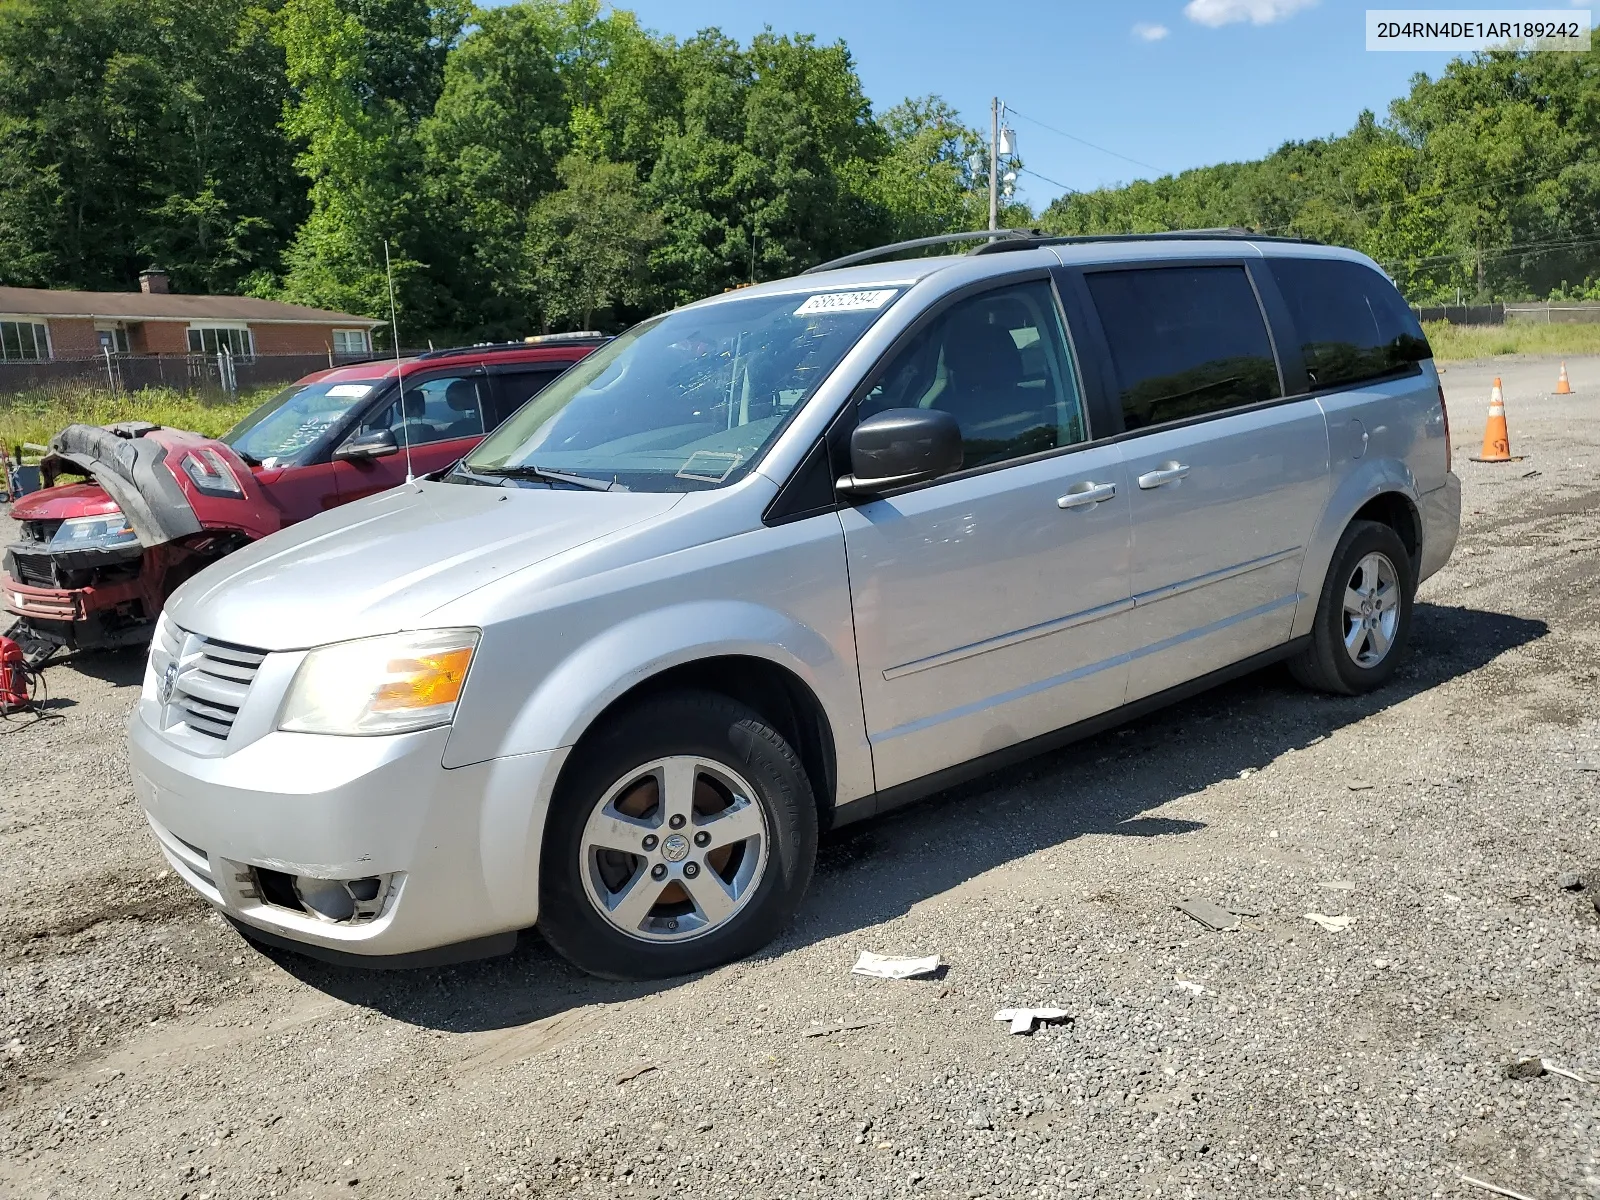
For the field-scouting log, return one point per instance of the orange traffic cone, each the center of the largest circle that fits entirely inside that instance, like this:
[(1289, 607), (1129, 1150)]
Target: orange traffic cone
[(1496, 439), (1563, 385)]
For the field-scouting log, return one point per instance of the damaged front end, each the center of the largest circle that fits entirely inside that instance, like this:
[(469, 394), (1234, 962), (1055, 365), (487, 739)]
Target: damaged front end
[(96, 561)]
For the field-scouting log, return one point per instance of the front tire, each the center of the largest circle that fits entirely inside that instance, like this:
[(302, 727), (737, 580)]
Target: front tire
[(1363, 617), (682, 836)]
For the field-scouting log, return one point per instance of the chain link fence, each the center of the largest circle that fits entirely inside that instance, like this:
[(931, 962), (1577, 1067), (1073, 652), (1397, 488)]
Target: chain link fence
[(213, 375)]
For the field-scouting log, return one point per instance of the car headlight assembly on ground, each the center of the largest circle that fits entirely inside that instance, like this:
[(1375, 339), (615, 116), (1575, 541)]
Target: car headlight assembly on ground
[(383, 685)]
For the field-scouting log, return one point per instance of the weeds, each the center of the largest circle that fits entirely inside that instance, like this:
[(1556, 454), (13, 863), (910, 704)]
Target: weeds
[(37, 416), (1452, 343)]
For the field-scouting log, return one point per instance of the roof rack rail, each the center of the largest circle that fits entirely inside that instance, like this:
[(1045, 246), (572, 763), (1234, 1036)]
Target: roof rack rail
[(1002, 240), (542, 339)]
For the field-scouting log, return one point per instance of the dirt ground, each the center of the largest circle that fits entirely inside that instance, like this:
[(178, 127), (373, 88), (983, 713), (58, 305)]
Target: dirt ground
[(146, 1050)]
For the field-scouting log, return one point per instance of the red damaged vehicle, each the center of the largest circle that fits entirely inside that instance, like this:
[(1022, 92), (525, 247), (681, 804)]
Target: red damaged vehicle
[(98, 559)]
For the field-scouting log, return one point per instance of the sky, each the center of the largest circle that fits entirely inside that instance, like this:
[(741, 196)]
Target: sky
[(1170, 83)]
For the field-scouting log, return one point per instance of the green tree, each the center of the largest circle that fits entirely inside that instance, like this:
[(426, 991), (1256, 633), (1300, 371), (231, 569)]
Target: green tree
[(588, 242), (362, 72), (139, 131)]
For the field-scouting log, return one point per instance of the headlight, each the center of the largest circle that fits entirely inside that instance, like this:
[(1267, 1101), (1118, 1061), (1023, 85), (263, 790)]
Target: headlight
[(393, 684), (86, 533), (210, 472)]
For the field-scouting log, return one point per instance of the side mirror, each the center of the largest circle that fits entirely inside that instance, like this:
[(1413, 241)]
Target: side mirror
[(379, 443), (900, 446)]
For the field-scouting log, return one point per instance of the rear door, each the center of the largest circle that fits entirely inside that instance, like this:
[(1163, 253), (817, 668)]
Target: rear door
[(1227, 477), (990, 605), (440, 417)]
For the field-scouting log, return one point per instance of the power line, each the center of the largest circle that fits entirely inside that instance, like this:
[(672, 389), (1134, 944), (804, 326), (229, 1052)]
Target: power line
[(1511, 251), (1082, 142), (1056, 182)]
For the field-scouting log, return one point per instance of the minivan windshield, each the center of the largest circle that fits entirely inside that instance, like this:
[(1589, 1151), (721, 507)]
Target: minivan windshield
[(285, 430), (683, 402)]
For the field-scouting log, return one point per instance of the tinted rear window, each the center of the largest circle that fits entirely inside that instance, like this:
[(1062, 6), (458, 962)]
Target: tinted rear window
[(1185, 341), (1353, 325)]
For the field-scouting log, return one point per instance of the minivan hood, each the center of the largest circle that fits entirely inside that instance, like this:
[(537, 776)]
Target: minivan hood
[(384, 563)]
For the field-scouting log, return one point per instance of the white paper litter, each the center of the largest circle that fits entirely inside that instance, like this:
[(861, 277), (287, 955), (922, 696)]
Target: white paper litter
[(887, 966), (1332, 924), (1190, 985), (1023, 1019)]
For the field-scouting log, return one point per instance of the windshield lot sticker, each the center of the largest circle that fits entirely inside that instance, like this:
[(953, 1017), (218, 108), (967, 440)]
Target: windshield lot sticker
[(827, 302), (710, 466), (353, 390)]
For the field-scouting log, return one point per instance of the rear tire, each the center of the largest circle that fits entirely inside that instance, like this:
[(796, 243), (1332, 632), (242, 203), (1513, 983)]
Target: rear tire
[(681, 836), (1363, 616)]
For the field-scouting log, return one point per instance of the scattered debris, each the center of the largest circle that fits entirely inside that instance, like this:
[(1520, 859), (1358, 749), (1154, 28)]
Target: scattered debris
[(1531, 474), (1589, 766), (1525, 1068), (842, 1027), (887, 966), (979, 1119), (1557, 1070), (1570, 881), (1191, 986), (1212, 916), (1336, 924), (1495, 1188), (1360, 785), (630, 1076), (1337, 885), (1382, 964), (1023, 1019)]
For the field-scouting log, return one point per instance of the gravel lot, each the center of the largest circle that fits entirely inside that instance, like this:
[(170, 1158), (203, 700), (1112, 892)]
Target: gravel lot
[(146, 1050)]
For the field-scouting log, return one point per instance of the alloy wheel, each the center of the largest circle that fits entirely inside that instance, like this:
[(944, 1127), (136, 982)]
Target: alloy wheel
[(675, 849), (1371, 610)]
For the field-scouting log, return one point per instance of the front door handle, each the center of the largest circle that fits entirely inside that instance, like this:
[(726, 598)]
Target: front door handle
[(1164, 474), (1087, 495)]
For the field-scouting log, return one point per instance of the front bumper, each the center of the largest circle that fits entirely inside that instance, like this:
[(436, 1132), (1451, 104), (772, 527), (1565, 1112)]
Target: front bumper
[(459, 847)]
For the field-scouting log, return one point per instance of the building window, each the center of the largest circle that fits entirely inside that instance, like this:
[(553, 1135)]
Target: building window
[(113, 338), (24, 341), (351, 341), (213, 339)]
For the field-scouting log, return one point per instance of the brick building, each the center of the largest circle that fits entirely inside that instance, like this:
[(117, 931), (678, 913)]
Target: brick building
[(39, 325)]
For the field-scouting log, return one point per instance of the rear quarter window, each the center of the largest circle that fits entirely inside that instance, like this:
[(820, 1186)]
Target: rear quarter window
[(1352, 324), (1185, 341)]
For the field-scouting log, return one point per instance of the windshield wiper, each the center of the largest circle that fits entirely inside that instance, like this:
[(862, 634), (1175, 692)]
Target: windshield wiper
[(546, 475)]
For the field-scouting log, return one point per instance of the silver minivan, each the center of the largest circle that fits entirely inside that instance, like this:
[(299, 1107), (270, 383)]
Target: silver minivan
[(778, 561)]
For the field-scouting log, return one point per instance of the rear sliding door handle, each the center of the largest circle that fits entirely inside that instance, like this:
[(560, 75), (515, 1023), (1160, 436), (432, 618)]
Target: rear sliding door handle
[(1166, 473), (1087, 495)]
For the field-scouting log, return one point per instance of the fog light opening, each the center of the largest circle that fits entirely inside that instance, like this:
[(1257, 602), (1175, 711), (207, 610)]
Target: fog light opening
[(338, 901)]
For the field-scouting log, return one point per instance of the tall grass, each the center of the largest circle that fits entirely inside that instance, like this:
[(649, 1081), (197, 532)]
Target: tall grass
[(36, 416), (1452, 343)]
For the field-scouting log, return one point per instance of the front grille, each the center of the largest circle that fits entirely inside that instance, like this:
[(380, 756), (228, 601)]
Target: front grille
[(213, 678), (34, 570)]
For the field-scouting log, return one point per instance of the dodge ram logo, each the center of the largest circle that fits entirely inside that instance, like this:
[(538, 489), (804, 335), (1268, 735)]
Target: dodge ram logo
[(169, 682)]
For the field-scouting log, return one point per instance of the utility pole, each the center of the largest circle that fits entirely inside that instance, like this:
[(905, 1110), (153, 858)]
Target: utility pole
[(994, 164)]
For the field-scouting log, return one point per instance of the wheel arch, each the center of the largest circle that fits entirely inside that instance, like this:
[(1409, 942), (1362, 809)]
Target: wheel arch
[(776, 693), (1382, 490)]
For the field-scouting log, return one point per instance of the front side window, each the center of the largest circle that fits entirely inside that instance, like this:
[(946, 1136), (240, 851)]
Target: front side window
[(433, 410), (289, 429), (998, 363), (1353, 325), (687, 401), (1185, 341), (24, 341), (216, 339)]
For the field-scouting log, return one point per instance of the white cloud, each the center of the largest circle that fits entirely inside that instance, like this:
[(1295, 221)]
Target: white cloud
[(1149, 31), (1229, 12)]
